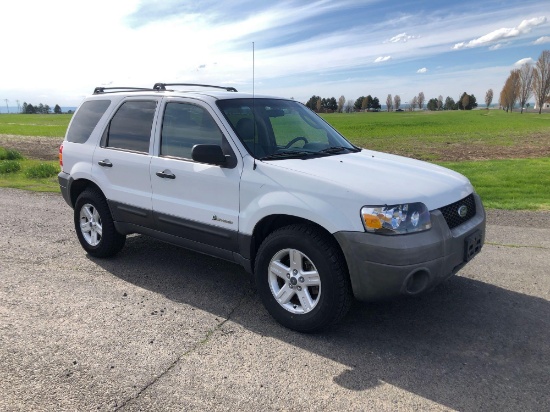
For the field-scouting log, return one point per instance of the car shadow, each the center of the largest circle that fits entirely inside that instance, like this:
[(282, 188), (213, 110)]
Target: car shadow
[(468, 345)]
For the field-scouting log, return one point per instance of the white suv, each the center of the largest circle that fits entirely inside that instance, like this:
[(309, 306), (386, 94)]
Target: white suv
[(266, 183)]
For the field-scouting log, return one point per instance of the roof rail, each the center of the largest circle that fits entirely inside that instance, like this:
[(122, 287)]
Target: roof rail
[(100, 90), (162, 86)]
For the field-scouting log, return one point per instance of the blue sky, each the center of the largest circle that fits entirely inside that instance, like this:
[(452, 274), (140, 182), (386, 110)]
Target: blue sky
[(57, 52)]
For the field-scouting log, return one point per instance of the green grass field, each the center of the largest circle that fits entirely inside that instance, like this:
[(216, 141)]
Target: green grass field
[(517, 183), (494, 125), (20, 180), (430, 135), (53, 125)]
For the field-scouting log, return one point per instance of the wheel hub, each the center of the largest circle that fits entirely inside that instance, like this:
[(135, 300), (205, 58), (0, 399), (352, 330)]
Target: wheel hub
[(294, 281), (90, 224)]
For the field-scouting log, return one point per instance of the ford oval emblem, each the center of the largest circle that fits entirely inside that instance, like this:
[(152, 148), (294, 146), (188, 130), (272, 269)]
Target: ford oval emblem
[(463, 211)]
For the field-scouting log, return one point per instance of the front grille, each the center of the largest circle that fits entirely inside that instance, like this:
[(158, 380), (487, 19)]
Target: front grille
[(450, 212)]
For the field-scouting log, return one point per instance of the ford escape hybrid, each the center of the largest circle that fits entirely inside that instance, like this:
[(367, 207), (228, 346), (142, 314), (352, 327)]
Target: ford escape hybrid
[(266, 183)]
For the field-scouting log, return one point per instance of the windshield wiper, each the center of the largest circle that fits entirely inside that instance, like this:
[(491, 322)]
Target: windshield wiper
[(287, 154), (338, 149), (302, 154)]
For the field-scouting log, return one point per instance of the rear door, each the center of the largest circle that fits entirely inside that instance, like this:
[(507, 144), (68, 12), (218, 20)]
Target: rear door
[(195, 201), (121, 161)]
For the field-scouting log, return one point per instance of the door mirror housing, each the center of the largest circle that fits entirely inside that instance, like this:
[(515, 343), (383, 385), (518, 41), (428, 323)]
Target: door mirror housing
[(208, 153)]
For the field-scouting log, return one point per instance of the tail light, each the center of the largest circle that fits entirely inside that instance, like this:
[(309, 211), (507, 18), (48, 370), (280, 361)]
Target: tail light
[(61, 156)]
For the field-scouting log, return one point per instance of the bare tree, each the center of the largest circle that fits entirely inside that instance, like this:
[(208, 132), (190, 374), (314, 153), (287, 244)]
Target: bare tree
[(396, 101), (439, 102), (512, 89), (341, 103), (526, 84), (502, 99), (413, 104), (541, 79), (349, 106), (489, 98), (389, 105), (420, 100), (318, 105)]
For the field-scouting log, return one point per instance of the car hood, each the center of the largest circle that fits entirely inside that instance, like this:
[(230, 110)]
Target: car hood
[(377, 178)]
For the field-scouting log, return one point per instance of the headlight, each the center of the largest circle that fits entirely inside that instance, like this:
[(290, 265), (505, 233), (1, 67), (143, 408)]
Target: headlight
[(396, 219)]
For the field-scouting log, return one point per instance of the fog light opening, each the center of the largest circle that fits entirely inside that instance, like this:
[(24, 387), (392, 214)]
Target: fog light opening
[(417, 282)]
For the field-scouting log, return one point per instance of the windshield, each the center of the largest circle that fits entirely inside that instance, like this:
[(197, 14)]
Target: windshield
[(274, 129)]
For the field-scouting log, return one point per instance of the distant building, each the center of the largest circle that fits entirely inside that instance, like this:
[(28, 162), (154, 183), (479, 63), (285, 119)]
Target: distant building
[(546, 104)]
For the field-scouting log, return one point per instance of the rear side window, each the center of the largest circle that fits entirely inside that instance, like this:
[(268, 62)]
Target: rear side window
[(85, 120), (130, 127)]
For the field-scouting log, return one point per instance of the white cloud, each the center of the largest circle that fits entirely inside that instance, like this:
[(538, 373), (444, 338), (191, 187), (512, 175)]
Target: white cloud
[(504, 33), (382, 59), (496, 46), (402, 37), (422, 70), (527, 60), (542, 40)]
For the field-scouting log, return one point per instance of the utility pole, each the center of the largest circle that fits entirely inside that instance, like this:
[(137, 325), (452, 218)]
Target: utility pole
[(6, 100)]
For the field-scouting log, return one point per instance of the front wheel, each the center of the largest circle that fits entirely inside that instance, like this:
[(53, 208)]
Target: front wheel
[(94, 225), (302, 278)]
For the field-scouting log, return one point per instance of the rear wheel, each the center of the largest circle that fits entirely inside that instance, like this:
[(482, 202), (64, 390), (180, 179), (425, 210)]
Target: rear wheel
[(94, 225), (302, 278)]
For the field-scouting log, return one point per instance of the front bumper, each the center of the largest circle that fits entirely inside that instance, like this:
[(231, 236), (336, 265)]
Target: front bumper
[(382, 267)]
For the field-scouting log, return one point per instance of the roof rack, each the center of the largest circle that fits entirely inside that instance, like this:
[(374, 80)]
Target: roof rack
[(162, 86), (100, 90)]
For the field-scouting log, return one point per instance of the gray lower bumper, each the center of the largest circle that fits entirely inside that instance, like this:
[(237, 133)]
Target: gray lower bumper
[(386, 266)]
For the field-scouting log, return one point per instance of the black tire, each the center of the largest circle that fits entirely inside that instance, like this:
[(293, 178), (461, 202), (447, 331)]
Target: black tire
[(321, 257), (105, 244)]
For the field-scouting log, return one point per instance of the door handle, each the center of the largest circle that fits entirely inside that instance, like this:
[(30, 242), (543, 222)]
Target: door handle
[(166, 174), (105, 163)]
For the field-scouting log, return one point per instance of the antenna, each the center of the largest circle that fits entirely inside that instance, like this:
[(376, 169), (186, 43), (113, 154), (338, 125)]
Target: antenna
[(254, 108), (253, 70)]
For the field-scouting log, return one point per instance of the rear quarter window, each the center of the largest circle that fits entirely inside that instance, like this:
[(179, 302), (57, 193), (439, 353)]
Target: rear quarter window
[(85, 120)]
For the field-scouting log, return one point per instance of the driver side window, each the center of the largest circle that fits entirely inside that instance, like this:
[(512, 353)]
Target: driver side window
[(185, 125)]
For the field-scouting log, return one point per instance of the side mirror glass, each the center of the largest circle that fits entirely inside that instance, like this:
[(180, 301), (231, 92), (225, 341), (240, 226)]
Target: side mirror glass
[(208, 153)]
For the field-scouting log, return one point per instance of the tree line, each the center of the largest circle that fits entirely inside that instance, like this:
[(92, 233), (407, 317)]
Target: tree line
[(525, 82), (369, 103), (28, 108)]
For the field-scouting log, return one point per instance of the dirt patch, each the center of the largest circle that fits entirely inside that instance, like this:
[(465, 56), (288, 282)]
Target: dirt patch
[(533, 146), (481, 151), (33, 147), (47, 148)]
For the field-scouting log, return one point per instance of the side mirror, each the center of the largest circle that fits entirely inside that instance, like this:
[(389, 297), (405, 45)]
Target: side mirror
[(208, 153)]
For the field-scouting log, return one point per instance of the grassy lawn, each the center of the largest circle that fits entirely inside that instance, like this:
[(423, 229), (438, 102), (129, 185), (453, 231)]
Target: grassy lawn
[(487, 125), (53, 125), (521, 184), (20, 180)]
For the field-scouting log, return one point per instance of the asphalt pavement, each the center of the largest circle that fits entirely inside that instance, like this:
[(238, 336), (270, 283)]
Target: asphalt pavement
[(159, 328)]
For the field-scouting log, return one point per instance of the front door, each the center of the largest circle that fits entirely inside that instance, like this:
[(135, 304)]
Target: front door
[(195, 201)]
